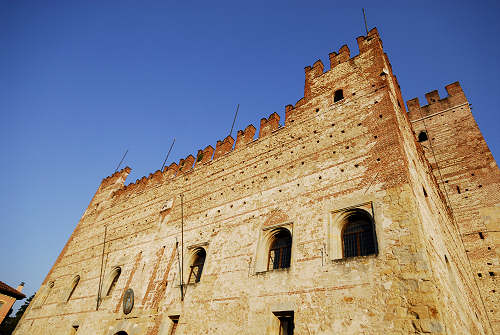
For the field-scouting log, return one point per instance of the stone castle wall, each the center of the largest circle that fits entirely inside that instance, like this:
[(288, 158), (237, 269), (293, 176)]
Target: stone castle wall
[(329, 156)]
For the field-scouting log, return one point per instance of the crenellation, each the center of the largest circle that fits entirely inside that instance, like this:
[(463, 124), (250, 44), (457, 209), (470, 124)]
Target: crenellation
[(172, 171), (311, 74), (204, 156), (117, 177), (245, 136), (342, 56), (223, 147), (289, 112), (186, 164), (372, 40), (267, 126), (432, 97), (435, 104), (454, 89)]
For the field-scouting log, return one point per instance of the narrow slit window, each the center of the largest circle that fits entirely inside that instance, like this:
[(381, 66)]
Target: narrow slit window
[(286, 322), (175, 322), (338, 95)]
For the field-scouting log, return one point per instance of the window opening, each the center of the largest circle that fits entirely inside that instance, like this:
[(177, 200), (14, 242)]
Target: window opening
[(481, 236), (73, 287), (358, 235), (422, 136), (74, 330), (175, 322), (425, 192), (116, 275), (49, 288), (339, 95), (280, 251), (286, 322), (197, 266)]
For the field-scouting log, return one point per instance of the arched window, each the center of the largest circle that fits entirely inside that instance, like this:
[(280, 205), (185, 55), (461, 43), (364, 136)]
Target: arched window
[(74, 284), (422, 136), (46, 294), (358, 236), (338, 95), (115, 274), (197, 265), (121, 333), (280, 250)]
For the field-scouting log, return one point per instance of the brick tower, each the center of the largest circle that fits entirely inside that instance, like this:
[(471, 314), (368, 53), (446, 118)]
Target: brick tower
[(469, 177), (331, 222)]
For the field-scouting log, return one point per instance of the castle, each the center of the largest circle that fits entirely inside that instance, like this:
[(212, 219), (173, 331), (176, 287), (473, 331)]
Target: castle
[(353, 216)]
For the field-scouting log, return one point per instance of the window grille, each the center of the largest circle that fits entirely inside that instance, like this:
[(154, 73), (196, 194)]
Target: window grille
[(280, 251), (358, 236)]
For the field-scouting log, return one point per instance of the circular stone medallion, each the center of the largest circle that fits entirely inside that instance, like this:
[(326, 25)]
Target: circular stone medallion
[(128, 301)]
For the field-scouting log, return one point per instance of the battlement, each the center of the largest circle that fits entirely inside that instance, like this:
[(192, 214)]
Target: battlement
[(245, 136), (342, 56), (267, 125), (435, 104), (204, 155), (117, 177), (365, 43)]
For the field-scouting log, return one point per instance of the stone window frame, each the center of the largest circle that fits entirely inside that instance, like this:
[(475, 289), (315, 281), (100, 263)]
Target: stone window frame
[(265, 240), (336, 223)]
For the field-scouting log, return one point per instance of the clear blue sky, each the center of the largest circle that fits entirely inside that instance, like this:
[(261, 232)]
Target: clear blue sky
[(81, 82)]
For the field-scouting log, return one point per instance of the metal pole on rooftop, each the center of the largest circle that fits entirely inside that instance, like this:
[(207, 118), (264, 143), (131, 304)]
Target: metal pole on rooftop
[(125, 154), (366, 26), (237, 108)]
